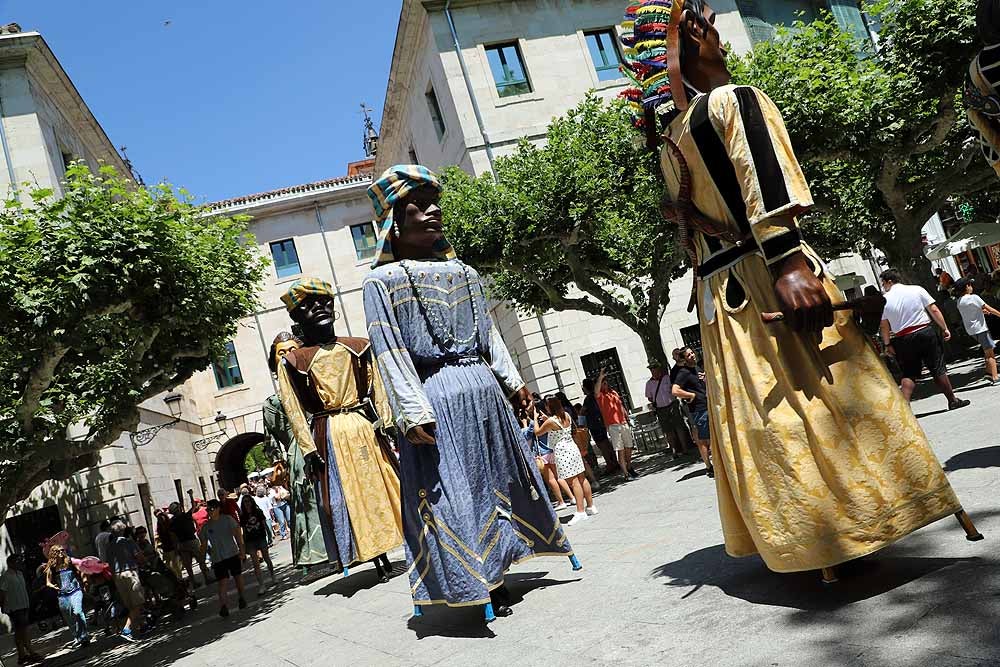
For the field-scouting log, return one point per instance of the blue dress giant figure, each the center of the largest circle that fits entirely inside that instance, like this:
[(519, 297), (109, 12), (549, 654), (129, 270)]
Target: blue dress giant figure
[(473, 502)]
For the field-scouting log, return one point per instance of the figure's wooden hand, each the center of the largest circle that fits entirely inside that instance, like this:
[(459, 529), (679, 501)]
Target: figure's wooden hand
[(314, 465), (804, 301), (422, 434)]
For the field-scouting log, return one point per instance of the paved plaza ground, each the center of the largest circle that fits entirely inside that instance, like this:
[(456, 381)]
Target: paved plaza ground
[(657, 589)]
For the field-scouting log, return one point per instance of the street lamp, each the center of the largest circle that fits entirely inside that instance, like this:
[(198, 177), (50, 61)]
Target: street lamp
[(220, 422), (146, 435)]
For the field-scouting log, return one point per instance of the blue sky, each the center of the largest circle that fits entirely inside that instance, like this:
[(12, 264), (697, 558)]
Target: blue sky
[(229, 98)]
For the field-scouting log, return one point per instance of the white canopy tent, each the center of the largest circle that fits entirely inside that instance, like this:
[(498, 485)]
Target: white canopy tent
[(970, 237)]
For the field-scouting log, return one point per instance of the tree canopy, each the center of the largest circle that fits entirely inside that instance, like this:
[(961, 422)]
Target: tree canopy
[(572, 224), (881, 134), (112, 294)]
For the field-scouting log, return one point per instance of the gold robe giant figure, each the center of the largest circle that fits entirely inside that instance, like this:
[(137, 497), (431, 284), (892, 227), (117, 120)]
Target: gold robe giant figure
[(359, 492), (818, 457)]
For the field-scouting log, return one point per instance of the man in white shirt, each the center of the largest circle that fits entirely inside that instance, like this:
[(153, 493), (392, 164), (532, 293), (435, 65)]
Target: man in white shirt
[(659, 393), (908, 335), (974, 310), (266, 505)]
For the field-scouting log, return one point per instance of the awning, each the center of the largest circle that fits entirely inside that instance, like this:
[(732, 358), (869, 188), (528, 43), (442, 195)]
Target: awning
[(970, 237)]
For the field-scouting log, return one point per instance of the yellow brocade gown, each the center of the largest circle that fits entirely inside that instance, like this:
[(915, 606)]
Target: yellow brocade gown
[(818, 457), (359, 495)]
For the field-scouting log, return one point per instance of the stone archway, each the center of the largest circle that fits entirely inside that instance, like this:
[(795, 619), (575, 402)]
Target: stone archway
[(230, 459)]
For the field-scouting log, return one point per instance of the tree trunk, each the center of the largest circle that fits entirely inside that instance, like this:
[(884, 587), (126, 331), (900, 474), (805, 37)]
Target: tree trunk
[(652, 341)]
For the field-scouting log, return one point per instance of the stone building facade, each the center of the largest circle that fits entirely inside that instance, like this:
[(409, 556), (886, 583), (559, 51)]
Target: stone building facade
[(469, 78)]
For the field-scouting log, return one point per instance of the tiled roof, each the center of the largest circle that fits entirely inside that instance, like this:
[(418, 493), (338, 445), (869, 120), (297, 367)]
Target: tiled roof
[(260, 197)]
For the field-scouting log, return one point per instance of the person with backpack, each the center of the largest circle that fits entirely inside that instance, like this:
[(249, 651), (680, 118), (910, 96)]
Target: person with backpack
[(255, 537)]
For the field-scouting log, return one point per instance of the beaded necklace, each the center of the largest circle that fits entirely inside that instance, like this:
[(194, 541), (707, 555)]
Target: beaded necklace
[(435, 322)]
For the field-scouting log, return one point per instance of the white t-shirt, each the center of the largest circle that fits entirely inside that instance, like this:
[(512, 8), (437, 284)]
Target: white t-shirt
[(971, 308), (265, 504), (906, 307)]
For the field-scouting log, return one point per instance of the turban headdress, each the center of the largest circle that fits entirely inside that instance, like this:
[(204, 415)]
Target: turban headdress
[(651, 41), (394, 185), (304, 288)]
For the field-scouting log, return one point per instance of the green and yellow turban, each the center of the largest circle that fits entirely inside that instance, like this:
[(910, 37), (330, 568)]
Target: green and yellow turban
[(304, 288)]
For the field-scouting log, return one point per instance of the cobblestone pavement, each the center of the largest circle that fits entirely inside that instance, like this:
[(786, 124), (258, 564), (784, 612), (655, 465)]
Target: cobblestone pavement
[(656, 588)]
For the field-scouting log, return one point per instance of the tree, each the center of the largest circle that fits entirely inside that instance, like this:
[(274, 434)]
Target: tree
[(882, 136), (573, 224), (256, 459), (111, 295)]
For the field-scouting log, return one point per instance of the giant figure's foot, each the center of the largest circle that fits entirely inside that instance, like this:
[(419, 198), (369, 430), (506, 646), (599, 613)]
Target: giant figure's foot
[(500, 597)]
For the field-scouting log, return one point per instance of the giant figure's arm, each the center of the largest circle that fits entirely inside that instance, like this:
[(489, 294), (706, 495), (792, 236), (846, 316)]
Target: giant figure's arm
[(404, 390), (293, 409), (774, 192)]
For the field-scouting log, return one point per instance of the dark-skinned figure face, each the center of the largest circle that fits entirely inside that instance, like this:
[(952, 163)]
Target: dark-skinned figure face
[(316, 317), (418, 218), (704, 59)]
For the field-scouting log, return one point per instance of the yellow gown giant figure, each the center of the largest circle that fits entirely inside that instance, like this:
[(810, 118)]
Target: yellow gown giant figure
[(818, 457)]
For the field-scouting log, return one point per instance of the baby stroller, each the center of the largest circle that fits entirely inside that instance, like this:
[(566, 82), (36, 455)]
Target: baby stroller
[(166, 595)]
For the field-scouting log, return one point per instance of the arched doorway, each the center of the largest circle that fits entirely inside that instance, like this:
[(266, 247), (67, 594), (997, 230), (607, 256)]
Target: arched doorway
[(229, 461)]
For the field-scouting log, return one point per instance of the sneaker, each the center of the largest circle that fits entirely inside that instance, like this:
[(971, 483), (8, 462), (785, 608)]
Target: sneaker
[(223, 611), (592, 510), (242, 603), (127, 636), (560, 506), (577, 518), (959, 403)]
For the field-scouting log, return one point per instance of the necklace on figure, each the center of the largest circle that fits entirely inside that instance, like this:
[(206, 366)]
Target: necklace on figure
[(435, 322)]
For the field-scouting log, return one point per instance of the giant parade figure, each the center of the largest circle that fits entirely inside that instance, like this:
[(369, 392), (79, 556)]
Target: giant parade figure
[(473, 502), (308, 545), (345, 452), (982, 85), (818, 457)]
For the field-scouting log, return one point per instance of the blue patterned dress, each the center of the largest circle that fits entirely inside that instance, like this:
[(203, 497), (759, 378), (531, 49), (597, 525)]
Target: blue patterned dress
[(474, 503)]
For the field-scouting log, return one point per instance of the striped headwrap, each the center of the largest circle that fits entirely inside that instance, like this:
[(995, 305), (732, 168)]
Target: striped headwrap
[(651, 41), (304, 288), (397, 182), (394, 185)]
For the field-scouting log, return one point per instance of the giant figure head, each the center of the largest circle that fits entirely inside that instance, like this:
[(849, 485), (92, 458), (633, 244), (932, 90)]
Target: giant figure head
[(309, 302), (283, 343), (405, 199)]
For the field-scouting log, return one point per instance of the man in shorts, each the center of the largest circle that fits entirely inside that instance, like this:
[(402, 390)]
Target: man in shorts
[(616, 420), (598, 429), (15, 603), (909, 337), (185, 530), (974, 310), (689, 386), (125, 558), (223, 538)]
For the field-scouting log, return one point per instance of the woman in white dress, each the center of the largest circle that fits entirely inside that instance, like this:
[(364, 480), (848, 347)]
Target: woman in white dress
[(569, 463)]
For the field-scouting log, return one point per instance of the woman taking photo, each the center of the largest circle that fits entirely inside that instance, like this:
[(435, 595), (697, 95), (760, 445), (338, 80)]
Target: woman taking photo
[(533, 417), (62, 576), (568, 462), (255, 537)]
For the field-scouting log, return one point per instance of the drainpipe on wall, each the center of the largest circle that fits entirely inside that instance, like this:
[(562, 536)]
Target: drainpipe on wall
[(551, 353), (468, 85), (333, 271), (6, 151)]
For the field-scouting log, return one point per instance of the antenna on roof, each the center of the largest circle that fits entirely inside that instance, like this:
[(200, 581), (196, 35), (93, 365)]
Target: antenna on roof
[(370, 138), (128, 163)]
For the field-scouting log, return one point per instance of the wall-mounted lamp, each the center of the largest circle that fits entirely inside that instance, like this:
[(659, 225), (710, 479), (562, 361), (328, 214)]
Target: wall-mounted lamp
[(203, 444), (146, 435)]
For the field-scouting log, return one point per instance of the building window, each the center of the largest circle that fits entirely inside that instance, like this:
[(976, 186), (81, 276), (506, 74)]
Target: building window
[(286, 260), (365, 240), (180, 493), (227, 371), (436, 118), (508, 69), (604, 54)]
